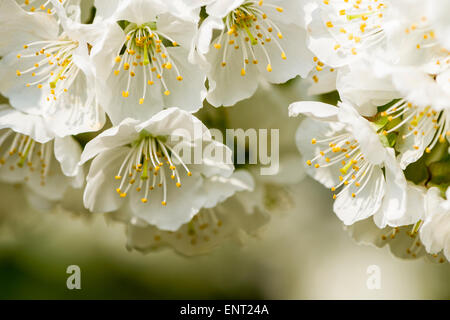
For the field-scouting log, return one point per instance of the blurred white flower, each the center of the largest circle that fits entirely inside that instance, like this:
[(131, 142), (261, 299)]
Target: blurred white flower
[(405, 241), (256, 39), (45, 68), (141, 61), (435, 231), (415, 58), (208, 229), (134, 158), (340, 31), (345, 152), (32, 155)]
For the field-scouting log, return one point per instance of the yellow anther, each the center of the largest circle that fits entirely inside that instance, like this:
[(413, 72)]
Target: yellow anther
[(144, 200), (217, 45), (125, 94), (141, 100), (164, 203), (178, 184), (117, 59), (167, 92), (279, 9), (123, 195), (283, 56), (242, 72), (269, 68), (179, 78)]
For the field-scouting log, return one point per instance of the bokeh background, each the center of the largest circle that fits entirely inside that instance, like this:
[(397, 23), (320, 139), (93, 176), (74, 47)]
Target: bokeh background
[(302, 254)]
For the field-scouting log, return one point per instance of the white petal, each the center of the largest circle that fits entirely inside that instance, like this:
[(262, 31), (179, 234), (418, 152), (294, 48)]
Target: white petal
[(358, 84), (314, 109), (365, 204), (114, 137), (311, 128), (100, 193), (182, 204), (18, 27), (363, 131), (30, 125), (226, 84), (175, 122), (221, 8), (14, 87), (299, 60), (68, 152), (189, 93), (393, 211)]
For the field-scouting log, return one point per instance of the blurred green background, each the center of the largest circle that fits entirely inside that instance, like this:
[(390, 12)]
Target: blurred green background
[(302, 254)]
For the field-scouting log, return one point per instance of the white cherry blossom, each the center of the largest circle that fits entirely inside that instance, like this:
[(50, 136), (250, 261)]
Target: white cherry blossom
[(31, 154), (144, 164), (45, 68), (255, 39), (141, 61), (339, 31), (345, 153)]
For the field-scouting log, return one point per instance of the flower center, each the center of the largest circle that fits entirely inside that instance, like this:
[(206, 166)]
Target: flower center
[(248, 27), (52, 65), (18, 150), (145, 49), (343, 150), (421, 122), (355, 24), (145, 163)]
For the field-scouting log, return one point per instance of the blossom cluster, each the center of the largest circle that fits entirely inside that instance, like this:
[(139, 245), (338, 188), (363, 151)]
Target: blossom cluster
[(384, 149), (108, 115)]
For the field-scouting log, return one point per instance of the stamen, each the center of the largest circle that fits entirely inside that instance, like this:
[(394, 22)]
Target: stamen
[(141, 161)]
